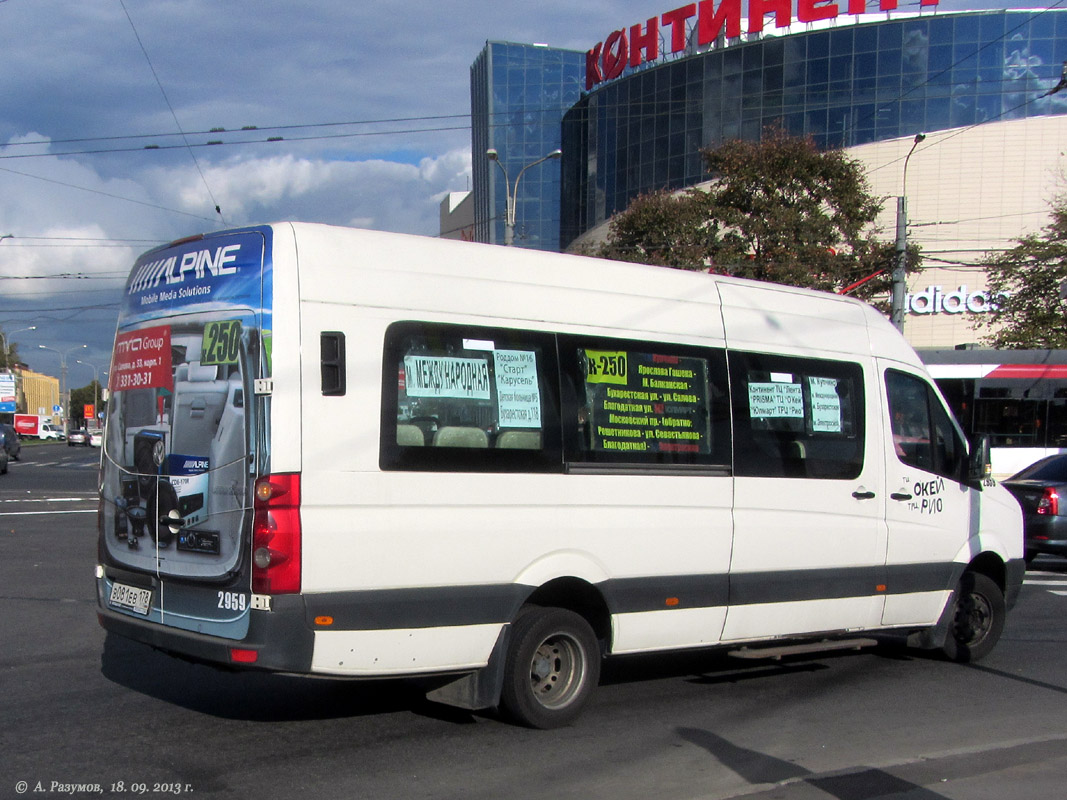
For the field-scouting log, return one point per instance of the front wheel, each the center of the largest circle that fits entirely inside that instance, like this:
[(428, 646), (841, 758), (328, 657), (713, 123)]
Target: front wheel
[(977, 619), (551, 669)]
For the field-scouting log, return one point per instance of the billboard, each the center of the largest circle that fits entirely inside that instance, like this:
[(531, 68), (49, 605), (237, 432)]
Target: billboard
[(7, 393)]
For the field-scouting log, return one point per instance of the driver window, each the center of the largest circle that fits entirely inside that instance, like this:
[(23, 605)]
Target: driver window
[(923, 433)]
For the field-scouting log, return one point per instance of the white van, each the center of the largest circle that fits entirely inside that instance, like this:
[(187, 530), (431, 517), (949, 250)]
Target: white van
[(358, 454), (50, 431)]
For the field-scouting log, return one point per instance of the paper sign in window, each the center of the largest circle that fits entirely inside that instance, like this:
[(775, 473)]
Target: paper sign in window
[(440, 376), (825, 405), (646, 402), (518, 395), (776, 400)]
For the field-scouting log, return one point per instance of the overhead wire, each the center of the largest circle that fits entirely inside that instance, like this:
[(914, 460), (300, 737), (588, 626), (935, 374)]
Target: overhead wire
[(166, 99), (105, 194)]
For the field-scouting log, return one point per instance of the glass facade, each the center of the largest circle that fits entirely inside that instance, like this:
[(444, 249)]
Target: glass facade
[(519, 93), (844, 85)]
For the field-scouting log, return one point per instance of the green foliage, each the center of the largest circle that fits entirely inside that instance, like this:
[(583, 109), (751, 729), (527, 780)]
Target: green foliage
[(86, 395), (778, 210), (9, 357), (663, 229), (1030, 312)]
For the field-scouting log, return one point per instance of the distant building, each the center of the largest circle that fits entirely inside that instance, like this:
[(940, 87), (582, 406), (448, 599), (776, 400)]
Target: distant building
[(457, 216), (39, 394), (519, 93)]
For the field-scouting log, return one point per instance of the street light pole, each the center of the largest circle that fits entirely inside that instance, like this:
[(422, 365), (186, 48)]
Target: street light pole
[(899, 280), (511, 194), (64, 397)]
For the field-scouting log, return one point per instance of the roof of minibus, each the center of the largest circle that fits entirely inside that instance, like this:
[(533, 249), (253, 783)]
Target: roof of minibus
[(521, 286)]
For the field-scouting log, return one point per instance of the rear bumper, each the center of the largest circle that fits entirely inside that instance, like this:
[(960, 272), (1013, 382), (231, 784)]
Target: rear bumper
[(280, 638), (1045, 534)]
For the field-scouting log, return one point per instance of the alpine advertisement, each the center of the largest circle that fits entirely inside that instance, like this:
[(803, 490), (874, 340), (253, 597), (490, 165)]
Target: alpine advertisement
[(194, 334)]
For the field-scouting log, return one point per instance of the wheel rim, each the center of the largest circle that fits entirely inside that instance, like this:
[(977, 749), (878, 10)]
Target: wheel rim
[(557, 671), (974, 618)]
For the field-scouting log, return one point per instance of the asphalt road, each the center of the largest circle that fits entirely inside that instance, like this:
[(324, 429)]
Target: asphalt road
[(80, 711)]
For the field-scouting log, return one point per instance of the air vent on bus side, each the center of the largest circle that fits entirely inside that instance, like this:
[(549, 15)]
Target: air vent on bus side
[(332, 359)]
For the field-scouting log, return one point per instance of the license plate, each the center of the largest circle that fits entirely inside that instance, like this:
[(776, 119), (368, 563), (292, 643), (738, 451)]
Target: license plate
[(131, 597)]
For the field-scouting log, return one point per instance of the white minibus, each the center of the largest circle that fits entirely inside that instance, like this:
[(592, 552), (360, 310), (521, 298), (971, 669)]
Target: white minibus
[(338, 452)]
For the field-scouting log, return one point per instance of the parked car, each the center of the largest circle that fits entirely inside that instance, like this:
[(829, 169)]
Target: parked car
[(1041, 490), (12, 444), (78, 436), (3, 461)]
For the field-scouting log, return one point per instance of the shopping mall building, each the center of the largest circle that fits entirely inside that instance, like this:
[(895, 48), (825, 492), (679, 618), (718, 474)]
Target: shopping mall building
[(632, 114)]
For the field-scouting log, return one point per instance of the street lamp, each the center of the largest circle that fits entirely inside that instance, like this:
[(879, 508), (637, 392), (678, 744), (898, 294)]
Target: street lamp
[(64, 398), (3, 337), (899, 282), (511, 193)]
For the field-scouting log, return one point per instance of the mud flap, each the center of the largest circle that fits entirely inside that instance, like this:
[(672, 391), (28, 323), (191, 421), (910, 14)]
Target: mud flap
[(934, 638), (479, 689)]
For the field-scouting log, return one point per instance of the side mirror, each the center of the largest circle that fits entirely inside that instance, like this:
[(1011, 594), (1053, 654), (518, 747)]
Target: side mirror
[(979, 466)]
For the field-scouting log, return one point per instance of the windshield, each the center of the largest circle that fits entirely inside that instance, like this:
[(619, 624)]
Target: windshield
[(176, 474)]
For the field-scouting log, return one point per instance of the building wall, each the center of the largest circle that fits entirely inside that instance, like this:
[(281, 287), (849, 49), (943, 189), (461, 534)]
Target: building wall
[(971, 192), (40, 392), (457, 216), (842, 82)]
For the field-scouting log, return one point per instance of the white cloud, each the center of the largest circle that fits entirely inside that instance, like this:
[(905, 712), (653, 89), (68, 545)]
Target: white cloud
[(380, 194)]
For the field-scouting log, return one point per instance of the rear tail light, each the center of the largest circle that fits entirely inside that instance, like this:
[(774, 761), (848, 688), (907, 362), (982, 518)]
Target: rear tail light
[(1049, 502), (276, 535)]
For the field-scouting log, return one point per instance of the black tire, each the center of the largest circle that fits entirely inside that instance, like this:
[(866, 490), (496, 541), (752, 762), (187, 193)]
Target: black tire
[(551, 669), (978, 615)]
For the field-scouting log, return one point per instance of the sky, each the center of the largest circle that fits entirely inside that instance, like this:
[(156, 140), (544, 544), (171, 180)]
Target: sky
[(108, 108)]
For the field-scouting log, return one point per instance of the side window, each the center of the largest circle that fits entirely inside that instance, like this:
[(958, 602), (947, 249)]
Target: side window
[(469, 399), (644, 403), (924, 435), (796, 417)]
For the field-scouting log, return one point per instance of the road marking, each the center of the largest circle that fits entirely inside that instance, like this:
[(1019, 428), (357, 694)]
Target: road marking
[(1044, 583), (49, 499), (40, 513)]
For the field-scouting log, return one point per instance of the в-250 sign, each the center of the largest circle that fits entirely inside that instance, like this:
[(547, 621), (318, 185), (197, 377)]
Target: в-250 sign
[(222, 342)]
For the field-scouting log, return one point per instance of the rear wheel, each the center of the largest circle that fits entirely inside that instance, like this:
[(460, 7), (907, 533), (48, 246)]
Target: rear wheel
[(978, 619), (551, 669)]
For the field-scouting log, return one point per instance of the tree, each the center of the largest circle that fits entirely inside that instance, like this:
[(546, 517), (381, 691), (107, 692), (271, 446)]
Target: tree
[(80, 398), (9, 357), (665, 229), (777, 210), (1025, 281)]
